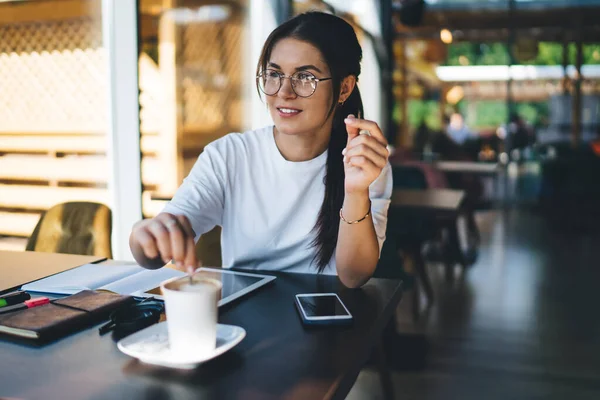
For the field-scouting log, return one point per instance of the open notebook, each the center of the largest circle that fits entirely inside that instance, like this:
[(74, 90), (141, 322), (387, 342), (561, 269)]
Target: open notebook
[(123, 279)]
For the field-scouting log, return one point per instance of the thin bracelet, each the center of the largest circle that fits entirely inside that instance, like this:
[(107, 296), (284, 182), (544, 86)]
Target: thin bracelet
[(358, 220)]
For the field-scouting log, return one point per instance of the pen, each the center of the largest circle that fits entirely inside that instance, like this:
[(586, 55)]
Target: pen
[(13, 298), (38, 301)]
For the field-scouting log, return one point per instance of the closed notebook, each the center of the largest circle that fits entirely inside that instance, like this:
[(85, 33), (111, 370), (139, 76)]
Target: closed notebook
[(62, 316)]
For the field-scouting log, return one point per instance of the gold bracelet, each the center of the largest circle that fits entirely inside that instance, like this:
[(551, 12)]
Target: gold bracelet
[(358, 220)]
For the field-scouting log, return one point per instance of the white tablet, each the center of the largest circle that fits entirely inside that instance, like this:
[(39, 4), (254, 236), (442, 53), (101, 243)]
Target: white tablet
[(235, 283)]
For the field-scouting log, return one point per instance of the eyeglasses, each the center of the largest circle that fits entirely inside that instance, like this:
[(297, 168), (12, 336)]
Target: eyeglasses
[(304, 83)]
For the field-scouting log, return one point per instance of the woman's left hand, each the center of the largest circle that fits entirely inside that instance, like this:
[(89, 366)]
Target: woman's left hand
[(365, 155)]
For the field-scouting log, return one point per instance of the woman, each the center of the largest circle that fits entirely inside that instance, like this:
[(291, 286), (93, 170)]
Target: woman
[(309, 194)]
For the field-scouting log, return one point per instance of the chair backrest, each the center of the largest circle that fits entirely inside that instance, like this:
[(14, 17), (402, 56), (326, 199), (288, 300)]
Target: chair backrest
[(435, 178), (408, 177), (74, 228)]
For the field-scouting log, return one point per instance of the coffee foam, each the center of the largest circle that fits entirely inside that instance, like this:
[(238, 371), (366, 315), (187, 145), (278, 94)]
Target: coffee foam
[(198, 284), (195, 287)]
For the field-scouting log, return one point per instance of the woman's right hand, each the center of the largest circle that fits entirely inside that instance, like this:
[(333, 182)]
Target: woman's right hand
[(156, 241)]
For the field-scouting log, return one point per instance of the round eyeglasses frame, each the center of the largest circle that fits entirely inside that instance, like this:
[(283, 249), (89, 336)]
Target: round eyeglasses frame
[(293, 78)]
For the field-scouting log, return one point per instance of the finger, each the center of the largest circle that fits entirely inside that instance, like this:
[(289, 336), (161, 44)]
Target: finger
[(191, 261), (178, 241), (371, 126), (368, 153), (363, 163), (368, 141), (186, 225), (148, 244), (352, 131), (162, 239), (177, 236)]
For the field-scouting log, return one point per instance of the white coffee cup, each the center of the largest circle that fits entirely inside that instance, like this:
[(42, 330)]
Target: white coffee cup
[(192, 312)]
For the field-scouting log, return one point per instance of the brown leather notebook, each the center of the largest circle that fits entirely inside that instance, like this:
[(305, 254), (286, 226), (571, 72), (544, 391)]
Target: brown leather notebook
[(62, 316)]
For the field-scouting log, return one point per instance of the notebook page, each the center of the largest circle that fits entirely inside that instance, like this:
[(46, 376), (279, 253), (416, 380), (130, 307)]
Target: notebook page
[(88, 276), (144, 280)]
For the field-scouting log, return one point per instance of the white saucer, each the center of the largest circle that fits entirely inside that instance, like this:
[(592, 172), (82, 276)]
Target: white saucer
[(151, 346)]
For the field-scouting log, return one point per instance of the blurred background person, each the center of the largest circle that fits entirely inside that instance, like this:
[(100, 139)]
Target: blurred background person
[(457, 129)]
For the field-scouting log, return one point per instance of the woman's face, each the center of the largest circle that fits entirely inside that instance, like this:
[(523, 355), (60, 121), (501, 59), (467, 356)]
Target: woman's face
[(292, 114)]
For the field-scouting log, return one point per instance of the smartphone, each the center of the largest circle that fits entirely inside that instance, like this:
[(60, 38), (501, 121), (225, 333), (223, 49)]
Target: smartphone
[(322, 309)]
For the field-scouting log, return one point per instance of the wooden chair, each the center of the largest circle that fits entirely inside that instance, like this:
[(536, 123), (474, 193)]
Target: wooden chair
[(74, 228)]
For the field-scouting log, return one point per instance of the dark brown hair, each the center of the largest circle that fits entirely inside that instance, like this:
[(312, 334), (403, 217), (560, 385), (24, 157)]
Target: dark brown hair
[(339, 47)]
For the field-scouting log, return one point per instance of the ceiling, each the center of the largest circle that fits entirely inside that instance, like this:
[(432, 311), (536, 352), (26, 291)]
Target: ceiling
[(492, 20)]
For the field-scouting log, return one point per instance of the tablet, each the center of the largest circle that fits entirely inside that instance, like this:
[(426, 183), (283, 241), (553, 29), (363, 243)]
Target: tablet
[(235, 283)]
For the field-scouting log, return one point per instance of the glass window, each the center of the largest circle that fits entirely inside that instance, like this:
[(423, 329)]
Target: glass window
[(191, 65), (52, 111)]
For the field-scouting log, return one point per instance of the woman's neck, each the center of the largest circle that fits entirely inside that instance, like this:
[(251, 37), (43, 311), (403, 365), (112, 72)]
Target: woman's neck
[(303, 147)]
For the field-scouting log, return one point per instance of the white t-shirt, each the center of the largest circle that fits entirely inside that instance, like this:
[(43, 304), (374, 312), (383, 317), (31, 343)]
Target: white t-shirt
[(267, 206)]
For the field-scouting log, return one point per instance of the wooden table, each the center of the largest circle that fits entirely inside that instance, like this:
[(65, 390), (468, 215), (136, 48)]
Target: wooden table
[(279, 358), (489, 171), (19, 267), (467, 167), (434, 201)]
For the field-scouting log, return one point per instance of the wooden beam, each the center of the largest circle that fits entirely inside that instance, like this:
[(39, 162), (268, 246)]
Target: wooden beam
[(148, 27), (17, 223), (22, 223), (13, 244), (48, 144), (38, 11), (492, 25), (44, 168), (565, 64), (443, 102), (171, 132), (42, 143), (402, 141), (44, 197), (488, 19), (512, 14), (68, 169), (151, 207), (576, 113), (501, 95)]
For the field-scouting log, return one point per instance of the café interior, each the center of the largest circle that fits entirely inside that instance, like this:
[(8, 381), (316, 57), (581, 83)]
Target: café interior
[(484, 286)]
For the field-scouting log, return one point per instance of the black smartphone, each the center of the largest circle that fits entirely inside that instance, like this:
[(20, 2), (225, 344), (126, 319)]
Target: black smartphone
[(322, 309)]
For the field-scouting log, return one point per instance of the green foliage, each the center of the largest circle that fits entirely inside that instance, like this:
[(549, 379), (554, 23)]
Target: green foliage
[(496, 54), (492, 54), (419, 110), (465, 53), (549, 54), (489, 113), (493, 113), (455, 50), (424, 110), (480, 115)]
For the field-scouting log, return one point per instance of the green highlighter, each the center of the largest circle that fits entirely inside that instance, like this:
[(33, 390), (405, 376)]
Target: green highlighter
[(12, 298)]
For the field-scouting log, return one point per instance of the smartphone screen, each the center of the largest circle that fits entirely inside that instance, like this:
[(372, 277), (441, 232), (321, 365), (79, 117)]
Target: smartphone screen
[(322, 306)]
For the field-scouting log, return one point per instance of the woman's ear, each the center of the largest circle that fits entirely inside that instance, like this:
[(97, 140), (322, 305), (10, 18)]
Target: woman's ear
[(347, 87)]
